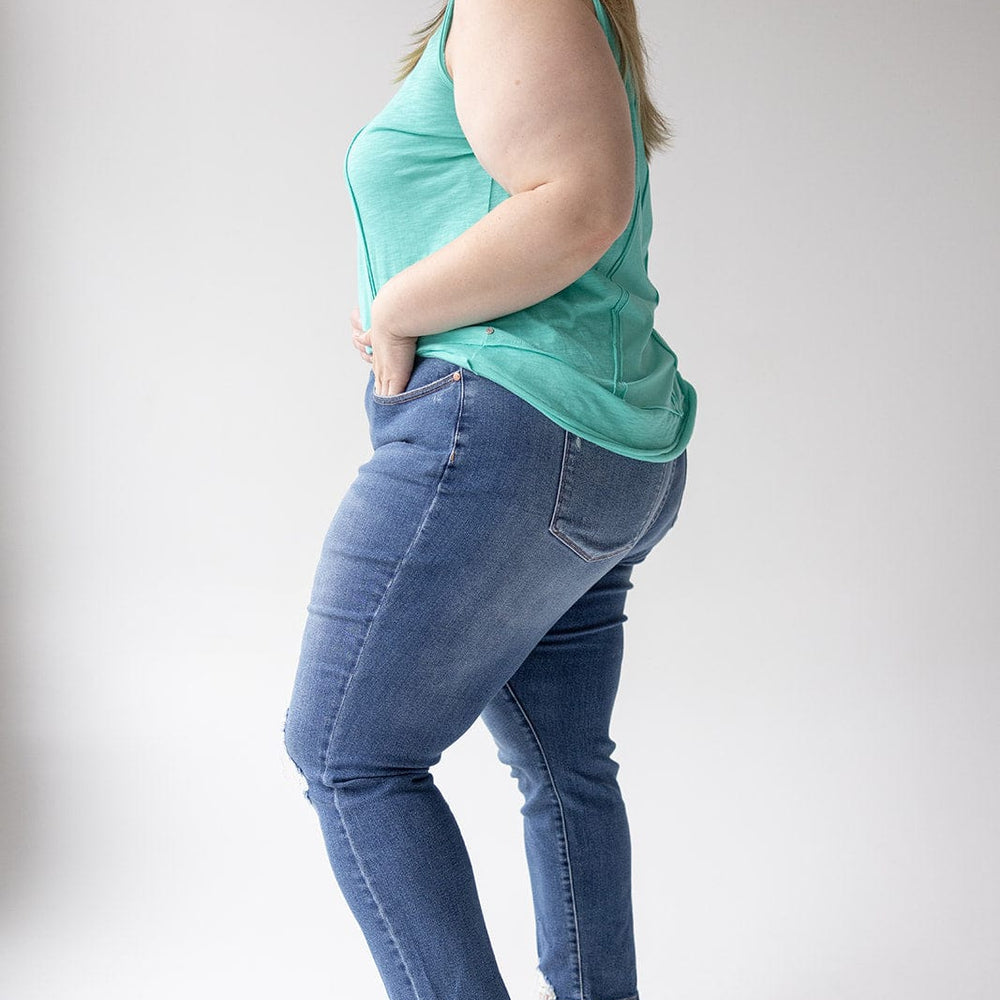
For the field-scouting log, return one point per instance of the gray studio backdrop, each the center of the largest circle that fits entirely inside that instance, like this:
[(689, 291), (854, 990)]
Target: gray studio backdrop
[(807, 725)]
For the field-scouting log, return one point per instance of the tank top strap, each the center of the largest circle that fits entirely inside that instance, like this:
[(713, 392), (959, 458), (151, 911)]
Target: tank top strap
[(442, 38), (602, 17), (446, 17)]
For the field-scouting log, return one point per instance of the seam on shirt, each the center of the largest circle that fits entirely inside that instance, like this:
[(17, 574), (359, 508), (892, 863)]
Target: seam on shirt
[(357, 211), (616, 341)]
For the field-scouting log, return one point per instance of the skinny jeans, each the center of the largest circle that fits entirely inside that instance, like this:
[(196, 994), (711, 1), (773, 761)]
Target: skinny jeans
[(477, 567)]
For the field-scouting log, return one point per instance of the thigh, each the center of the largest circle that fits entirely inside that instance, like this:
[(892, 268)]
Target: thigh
[(556, 708), (555, 711)]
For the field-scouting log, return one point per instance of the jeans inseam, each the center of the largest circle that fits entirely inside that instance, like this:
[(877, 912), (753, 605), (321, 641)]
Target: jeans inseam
[(562, 821)]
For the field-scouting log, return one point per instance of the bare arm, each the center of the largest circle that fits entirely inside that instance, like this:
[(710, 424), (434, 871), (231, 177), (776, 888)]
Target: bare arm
[(542, 104)]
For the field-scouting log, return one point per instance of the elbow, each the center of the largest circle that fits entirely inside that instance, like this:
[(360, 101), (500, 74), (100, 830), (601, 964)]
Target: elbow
[(590, 218), (609, 214), (605, 223), (617, 220)]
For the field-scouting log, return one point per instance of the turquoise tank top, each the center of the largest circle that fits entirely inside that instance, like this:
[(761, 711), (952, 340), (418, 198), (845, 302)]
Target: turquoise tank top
[(588, 357)]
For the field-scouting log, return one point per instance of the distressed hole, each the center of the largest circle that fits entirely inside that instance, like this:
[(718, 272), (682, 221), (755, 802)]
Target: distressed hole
[(544, 987)]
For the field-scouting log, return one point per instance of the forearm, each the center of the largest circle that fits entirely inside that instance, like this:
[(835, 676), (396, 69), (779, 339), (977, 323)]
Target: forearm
[(527, 248)]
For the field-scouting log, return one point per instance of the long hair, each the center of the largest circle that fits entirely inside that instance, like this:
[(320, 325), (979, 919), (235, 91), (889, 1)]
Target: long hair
[(656, 129)]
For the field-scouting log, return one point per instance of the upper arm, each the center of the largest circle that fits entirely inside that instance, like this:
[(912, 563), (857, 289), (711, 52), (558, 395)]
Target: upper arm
[(540, 98)]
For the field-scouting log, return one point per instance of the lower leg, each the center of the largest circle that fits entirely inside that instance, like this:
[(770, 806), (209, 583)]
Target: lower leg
[(577, 842), (551, 724), (402, 865)]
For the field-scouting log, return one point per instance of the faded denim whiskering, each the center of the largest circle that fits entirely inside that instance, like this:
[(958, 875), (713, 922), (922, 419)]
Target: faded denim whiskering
[(477, 566)]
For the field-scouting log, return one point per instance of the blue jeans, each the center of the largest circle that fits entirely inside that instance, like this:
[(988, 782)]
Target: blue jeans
[(476, 567)]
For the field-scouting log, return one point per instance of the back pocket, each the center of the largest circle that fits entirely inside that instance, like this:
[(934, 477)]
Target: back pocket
[(605, 501)]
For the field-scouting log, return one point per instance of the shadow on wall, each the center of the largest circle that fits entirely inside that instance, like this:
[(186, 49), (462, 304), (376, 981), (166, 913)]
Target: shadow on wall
[(18, 806)]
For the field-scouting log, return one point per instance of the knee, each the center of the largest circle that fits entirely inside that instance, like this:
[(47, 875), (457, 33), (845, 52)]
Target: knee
[(358, 768), (323, 760), (584, 765), (301, 734)]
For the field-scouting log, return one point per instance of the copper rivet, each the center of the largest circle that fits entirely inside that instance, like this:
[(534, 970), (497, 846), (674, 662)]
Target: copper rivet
[(489, 329), (456, 376)]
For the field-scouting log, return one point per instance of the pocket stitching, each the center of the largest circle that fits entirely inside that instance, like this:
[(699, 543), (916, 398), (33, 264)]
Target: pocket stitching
[(564, 491), (423, 390)]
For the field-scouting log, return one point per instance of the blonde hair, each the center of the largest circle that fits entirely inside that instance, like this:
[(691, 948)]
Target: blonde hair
[(656, 129)]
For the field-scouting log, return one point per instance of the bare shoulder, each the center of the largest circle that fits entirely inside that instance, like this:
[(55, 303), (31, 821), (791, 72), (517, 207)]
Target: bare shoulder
[(539, 96), (464, 9)]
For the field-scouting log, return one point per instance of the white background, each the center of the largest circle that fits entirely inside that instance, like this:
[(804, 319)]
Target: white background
[(807, 725)]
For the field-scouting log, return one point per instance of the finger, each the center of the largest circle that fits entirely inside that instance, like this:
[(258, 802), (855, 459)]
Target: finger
[(394, 361), (392, 383), (363, 349)]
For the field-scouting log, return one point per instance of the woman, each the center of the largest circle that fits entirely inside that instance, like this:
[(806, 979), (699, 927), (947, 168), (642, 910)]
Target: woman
[(529, 431)]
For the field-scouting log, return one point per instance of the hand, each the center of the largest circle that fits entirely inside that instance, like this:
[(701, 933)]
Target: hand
[(392, 356)]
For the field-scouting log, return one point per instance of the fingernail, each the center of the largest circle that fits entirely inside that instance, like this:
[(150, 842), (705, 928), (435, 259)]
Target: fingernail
[(368, 349)]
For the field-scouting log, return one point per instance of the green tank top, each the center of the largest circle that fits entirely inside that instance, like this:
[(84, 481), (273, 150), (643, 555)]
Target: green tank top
[(587, 357)]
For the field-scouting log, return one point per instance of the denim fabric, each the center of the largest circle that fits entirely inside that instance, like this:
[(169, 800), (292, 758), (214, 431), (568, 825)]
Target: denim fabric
[(477, 566)]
